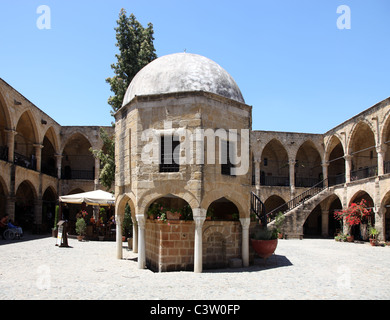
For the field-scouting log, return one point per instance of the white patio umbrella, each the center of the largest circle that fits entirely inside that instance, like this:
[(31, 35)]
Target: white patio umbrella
[(93, 198)]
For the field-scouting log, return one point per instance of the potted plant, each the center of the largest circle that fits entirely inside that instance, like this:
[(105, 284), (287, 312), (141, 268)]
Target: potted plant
[(373, 232), (210, 214), (81, 226), (172, 214), (354, 215), (154, 211), (264, 241), (341, 237), (278, 224)]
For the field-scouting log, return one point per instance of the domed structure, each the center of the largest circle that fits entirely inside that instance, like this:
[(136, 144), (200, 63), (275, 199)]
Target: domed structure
[(183, 72)]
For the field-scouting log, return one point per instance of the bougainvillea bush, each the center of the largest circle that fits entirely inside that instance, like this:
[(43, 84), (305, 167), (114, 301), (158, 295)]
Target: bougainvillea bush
[(355, 214)]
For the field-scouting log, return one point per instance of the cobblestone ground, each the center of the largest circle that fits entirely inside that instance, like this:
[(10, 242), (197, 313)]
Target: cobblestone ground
[(307, 269)]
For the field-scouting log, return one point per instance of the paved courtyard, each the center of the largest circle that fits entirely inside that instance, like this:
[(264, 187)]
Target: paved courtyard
[(306, 269)]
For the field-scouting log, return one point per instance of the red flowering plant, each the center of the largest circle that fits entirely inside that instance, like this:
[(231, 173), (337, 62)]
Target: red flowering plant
[(355, 214)]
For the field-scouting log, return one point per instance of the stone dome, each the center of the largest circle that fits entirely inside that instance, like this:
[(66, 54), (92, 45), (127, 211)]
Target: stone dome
[(183, 72)]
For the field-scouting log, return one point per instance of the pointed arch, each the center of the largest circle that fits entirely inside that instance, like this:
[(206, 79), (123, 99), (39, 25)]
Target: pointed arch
[(308, 165), (274, 164)]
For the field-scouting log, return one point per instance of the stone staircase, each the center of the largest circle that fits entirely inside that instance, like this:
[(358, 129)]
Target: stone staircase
[(295, 211)]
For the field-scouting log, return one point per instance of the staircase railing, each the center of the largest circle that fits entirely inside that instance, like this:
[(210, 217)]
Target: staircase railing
[(298, 200), (258, 208)]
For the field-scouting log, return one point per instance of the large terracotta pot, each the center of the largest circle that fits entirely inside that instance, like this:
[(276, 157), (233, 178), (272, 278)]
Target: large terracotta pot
[(173, 215), (264, 248)]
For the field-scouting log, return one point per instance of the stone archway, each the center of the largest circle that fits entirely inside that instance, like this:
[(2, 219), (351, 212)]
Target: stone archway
[(78, 162), (49, 200), (274, 165), (360, 232), (335, 158), (308, 168), (25, 205), (362, 150), (222, 235)]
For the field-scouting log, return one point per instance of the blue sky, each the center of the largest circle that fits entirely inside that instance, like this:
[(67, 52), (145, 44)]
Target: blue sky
[(293, 65)]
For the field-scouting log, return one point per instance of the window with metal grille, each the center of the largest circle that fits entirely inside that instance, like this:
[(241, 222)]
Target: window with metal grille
[(226, 164), (170, 151)]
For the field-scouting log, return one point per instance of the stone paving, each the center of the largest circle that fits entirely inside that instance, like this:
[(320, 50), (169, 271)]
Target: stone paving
[(301, 269)]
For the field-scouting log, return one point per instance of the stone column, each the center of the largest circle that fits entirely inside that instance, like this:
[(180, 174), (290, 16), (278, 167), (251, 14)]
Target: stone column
[(119, 250), (141, 241), (325, 166), (257, 177), (379, 212), (381, 155), (38, 212), (38, 156), (58, 164), (11, 144), (199, 218), (245, 222), (348, 166), (292, 175), (97, 173), (10, 207), (135, 235)]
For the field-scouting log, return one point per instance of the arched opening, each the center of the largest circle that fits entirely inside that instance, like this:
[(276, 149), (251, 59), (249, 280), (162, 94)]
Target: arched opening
[(78, 162), (321, 222), (49, 165), (274, 202), (49, 200), (363, 151), (308, 168), (223, 210), (274, 165), (334, 226), (386, 216), (24, 143), (360, 232), (173, 206), (24, 206), (169, 237), (312, 227), (336, 169)]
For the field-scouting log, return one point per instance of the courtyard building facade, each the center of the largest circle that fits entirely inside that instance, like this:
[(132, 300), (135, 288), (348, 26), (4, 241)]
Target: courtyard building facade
[(185, 143), (41, 160)]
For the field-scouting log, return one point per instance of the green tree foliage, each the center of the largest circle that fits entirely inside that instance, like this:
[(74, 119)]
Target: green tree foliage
[(136, 50), (107, 159)]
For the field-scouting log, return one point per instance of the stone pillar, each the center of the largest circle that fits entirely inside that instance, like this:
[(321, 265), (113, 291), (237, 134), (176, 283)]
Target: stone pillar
[(257, 177), (38, 156), (58, 164), (11, 144), (348, 167), (135, 235), (245, 222), (97, 173), (141, 241), (292, 175), (199, 218), (325, 166), (119, 250), (38, 211), (10, 207), (379, 213), (381, 155)]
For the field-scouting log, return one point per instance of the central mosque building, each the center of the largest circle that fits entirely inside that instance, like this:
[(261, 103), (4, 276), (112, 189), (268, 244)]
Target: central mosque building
[(185, 144)]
